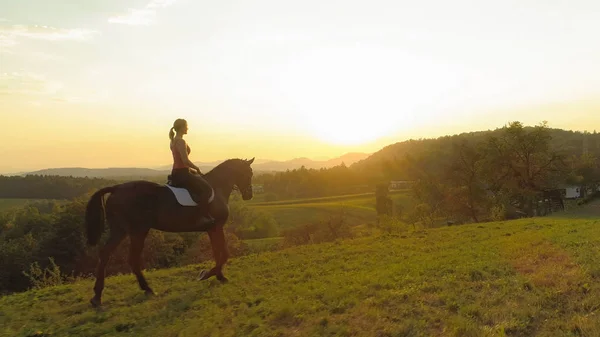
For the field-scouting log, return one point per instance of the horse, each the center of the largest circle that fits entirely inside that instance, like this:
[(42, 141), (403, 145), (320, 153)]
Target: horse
[(135, 207)]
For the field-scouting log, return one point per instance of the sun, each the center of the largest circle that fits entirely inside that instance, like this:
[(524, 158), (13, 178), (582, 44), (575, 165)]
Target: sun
[(348, 130)]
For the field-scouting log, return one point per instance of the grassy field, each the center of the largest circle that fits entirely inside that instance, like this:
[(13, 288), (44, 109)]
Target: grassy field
[(263, 245), (6, 204), (359, 208), (529, 277)]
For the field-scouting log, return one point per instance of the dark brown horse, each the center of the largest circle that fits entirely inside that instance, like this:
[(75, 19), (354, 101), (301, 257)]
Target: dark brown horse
[(135, 207)]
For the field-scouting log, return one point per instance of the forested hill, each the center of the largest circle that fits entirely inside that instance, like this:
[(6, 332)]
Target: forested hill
[(509, 172), (570, 143), (49, 187)]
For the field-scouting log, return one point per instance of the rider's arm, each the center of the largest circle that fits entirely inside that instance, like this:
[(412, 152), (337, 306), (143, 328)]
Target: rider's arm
[(182, 148)]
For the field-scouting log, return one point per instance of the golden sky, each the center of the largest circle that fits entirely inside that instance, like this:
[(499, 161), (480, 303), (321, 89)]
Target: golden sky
[(99, 83)]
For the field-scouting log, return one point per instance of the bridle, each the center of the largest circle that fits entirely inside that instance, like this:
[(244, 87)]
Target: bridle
[(248, 189)]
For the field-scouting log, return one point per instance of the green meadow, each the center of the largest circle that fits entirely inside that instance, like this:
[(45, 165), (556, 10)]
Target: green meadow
[(357, 208), (528, 277)]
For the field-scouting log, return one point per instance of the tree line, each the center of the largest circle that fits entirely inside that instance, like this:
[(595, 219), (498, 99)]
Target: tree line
[(49, 187), (297, 183), (312, 183)]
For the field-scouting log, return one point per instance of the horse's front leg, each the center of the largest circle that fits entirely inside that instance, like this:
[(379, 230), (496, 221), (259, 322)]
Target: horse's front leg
[(220, 254), (204, 275), (220, 212)]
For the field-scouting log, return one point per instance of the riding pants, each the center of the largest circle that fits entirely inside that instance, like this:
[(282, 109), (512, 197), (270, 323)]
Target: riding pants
[(200, 189)]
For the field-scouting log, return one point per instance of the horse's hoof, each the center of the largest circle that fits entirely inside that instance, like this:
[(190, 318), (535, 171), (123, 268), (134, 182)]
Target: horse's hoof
[(150, 293), (203, 275), (95, 302), (223, 279)]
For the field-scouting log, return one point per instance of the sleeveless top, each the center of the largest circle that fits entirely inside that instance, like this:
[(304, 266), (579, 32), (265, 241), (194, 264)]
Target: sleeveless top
[(177, 160)]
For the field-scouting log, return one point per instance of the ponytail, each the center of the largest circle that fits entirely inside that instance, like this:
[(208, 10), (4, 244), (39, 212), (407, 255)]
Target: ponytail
[(177, 125)]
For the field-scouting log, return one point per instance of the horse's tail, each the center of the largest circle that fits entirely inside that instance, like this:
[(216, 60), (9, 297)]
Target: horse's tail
[(94, 215)]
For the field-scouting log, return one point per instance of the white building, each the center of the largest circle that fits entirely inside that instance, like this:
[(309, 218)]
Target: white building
[(399, 184), (575, 192), (572, 192)]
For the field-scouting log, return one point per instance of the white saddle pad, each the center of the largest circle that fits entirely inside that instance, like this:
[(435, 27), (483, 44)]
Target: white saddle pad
[(184, 198)]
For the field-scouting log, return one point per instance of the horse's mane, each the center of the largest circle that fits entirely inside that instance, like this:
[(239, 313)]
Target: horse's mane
[(225, 165)]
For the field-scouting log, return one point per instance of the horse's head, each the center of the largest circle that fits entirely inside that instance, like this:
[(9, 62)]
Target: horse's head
[(236, 173), (243, 178)]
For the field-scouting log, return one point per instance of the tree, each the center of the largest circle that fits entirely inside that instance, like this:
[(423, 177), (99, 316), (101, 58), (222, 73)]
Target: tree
[(585, 171), (520, 164), (466, 194), (428, 187), (383, 203)]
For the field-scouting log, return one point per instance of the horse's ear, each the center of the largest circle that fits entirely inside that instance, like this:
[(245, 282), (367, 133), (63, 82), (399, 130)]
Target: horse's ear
[(250, 161)]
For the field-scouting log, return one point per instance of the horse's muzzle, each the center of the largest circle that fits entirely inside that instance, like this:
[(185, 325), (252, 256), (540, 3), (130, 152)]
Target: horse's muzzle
[(247, 193)]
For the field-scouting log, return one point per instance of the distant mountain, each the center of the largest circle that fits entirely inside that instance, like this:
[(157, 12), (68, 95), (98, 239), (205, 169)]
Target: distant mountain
[(348, 159), (260, 165), (206, 166), (267, 165), (103, 172)]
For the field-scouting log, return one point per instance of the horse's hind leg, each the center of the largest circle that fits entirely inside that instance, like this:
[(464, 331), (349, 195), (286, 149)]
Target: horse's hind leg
[(224, 253), (135, 259), (117, 234)]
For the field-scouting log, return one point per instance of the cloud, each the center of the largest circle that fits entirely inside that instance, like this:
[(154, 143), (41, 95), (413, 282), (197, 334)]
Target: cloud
[(6, 41), (43, 56), (37, 90), (135, 17), (28, 84), (33, 56), (141, 17), (10, 34)]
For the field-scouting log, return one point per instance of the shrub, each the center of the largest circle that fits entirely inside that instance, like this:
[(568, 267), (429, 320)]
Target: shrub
[(300, 235), (498, 213), (588, 198), (47, 277), (333, 228), (250, 223), (201, 250), (390, 224)]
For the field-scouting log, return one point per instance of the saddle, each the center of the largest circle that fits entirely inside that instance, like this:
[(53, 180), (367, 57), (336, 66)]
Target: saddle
[(182, 194)]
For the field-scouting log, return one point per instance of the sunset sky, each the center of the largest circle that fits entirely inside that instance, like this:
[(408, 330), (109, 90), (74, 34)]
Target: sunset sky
[(99, 83)]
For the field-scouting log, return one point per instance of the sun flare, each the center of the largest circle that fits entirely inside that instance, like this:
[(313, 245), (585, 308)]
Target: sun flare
[(348, 130)]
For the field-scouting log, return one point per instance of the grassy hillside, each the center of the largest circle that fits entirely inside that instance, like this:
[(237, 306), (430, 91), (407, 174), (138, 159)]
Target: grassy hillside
[(263, 245), (519, 278), (359, 208)]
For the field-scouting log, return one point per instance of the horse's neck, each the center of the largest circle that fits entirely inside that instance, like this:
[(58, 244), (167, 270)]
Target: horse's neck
[(220, 184)]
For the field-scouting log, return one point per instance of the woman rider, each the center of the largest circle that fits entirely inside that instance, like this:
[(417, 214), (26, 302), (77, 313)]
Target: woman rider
[(182, 175)]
